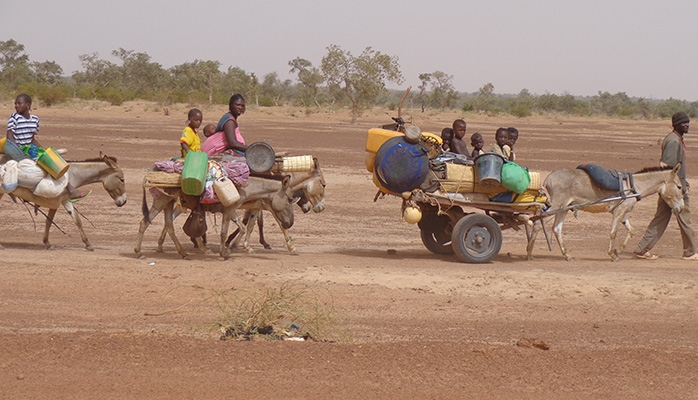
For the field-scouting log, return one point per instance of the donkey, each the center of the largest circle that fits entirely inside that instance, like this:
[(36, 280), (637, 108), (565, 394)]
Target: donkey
[(261, 193), (308, 186), (103, 169), (572, 189)]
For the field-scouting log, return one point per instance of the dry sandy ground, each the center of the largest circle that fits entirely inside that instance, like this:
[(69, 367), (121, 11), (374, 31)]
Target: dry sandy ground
[(104, 324)]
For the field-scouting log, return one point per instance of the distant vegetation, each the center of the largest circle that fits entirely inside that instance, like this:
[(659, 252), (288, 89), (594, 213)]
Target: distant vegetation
[(341, 80)]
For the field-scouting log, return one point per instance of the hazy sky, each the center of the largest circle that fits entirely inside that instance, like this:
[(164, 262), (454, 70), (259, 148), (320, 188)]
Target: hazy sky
[(641, 47)]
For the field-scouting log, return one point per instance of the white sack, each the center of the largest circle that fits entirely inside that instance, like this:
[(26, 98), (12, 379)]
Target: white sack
[(9, 176), (29, 174), (50, 188)]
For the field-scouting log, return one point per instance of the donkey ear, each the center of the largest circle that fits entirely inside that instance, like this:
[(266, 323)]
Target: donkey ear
[(677, 167)]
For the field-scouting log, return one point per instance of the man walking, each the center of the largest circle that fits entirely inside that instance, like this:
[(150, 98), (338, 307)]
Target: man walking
[(673, 152)]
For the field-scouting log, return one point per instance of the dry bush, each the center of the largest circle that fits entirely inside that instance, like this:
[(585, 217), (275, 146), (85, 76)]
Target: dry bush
[(293, 310)]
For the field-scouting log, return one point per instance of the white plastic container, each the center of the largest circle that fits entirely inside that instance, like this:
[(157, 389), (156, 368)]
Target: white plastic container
[(226, 191)]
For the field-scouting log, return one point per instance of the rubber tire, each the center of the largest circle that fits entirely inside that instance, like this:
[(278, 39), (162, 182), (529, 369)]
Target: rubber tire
[(476, 239), (437, 242)]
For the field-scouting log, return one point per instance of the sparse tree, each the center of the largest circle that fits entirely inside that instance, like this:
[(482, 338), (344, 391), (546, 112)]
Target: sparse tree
[(236, 80), (198, 76), (360, 78), (272, 88), (139, 74), (443, 93), (48, 73), (309, 76), (98, 73), (14, 64), (485, 100), (424, 80)]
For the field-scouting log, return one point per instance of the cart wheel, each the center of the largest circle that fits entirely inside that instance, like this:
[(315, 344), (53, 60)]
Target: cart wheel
[(476, 239), (437, 242)]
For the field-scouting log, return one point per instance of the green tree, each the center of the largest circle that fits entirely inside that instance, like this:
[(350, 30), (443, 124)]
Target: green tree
[(424, 80), (443, 93), (360, 78), (138, 74), (97, 74), (272, 87), (14, 64), (198, 76), (485, 99), (236, 80), (310, 78), (48, 73), (612, 104)]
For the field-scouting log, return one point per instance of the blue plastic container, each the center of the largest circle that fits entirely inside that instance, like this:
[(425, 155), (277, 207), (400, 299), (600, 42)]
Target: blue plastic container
[(401, 166), (13, 151)]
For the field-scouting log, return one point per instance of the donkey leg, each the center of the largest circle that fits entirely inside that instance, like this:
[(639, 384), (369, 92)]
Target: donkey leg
[(235, 235), (557, 229), (49, 219), (169, 226), (260, 226), (620, 214), (161, 239), (612, 251), (76, 218), (225, 224), (631, 233), (249, 225), (145, 223), (532, 239), (289, 242)]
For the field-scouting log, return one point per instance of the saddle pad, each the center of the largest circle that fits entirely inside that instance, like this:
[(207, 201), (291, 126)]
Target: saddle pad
[(607, 179)]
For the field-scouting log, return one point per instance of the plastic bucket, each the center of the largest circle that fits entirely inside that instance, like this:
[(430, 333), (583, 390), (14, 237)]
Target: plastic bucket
[(488, 168), (52, 163), (194, 173), (13, 151), (226, 191)]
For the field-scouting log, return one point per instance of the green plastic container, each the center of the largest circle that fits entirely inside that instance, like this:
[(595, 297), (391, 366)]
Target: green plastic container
[(194, 173)]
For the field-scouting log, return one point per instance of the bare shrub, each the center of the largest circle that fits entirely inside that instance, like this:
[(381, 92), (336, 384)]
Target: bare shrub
[(293, 310)]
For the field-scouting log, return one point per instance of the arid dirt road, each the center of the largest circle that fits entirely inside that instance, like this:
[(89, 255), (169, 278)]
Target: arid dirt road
[(408, 324)]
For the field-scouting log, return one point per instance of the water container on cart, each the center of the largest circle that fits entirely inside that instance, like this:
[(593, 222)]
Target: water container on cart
[(488, 168), (401, 166)]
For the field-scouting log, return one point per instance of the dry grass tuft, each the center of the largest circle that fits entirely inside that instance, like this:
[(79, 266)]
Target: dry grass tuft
[(294, 311)]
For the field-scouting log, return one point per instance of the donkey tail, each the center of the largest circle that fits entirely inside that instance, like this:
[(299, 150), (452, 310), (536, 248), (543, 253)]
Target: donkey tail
[(144, 207)]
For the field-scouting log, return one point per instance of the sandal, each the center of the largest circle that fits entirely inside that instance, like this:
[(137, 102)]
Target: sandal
[(694, 257), (80, 196), (647, 256)]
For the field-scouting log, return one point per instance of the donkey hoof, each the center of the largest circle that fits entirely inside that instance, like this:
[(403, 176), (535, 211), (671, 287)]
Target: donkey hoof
[(90, 248)]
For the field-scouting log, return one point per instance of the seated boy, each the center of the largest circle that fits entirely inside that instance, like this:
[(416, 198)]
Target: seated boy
[(457, 143), (478, 142)]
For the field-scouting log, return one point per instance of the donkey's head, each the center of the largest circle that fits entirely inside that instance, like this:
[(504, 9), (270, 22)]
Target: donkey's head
[(672, 192), (312, 191), (282, 204), (113, 180)]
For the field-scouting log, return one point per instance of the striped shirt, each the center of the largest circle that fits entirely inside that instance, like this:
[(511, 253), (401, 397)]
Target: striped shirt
[(23, 129)]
